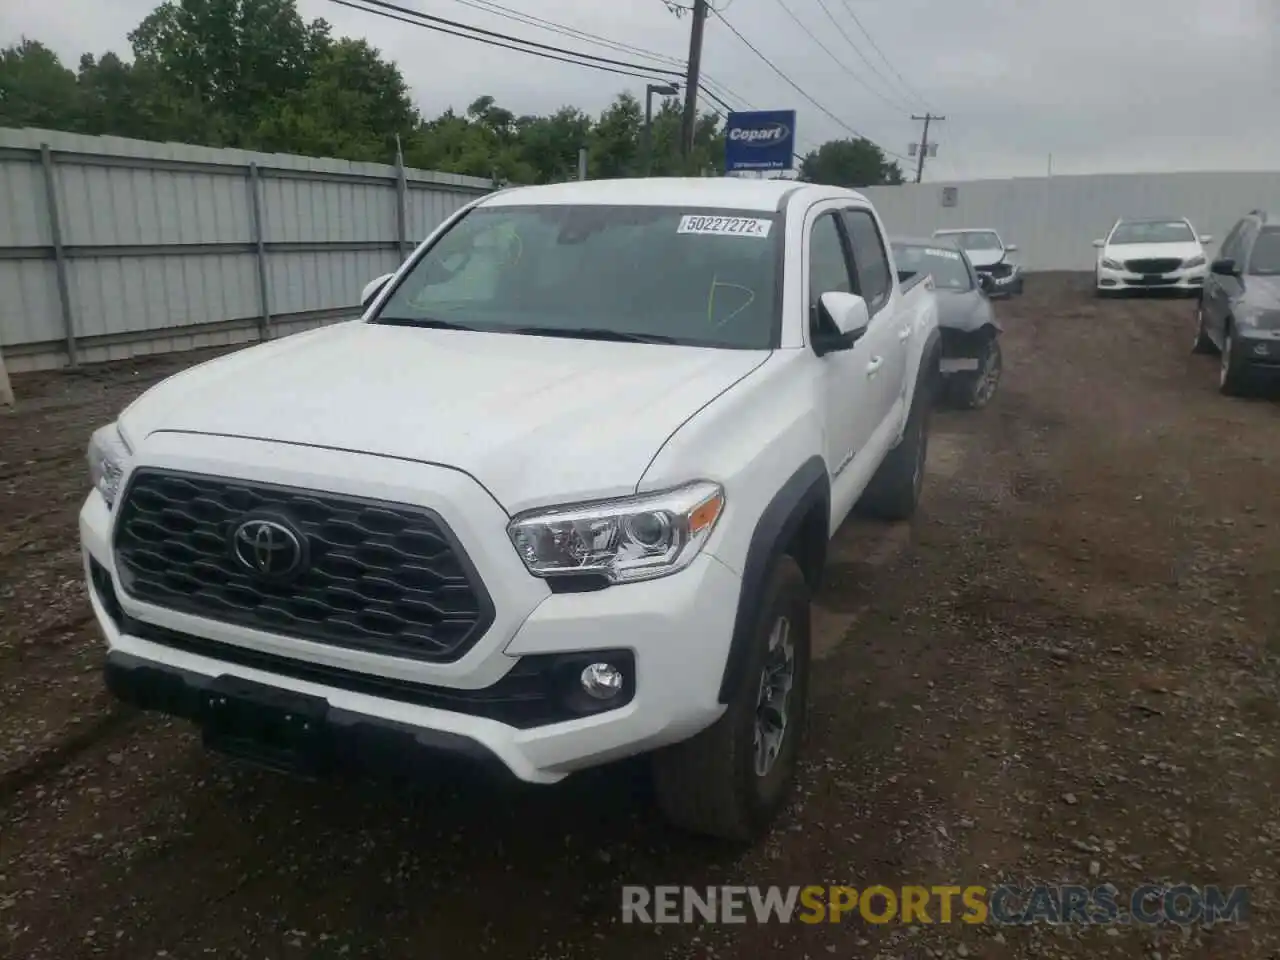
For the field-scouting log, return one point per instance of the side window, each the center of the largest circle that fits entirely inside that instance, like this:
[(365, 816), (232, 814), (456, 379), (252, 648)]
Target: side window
[(870, 264), (828, 265)]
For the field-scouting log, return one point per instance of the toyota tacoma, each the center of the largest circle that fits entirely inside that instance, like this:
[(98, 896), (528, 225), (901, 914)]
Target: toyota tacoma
[(561, 495)]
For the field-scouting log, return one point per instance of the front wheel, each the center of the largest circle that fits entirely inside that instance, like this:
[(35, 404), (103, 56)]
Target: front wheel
[(731, 780), (974, 391)]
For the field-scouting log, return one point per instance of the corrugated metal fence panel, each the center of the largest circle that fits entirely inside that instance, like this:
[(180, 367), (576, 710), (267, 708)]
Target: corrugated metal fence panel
[(29, 311), (116, 205), (319, 280), (1055, 220), (23, 220), (329, 226), (430, 207), (327, 211)]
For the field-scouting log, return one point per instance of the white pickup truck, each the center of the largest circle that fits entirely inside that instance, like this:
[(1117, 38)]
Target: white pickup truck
[(560, 496)]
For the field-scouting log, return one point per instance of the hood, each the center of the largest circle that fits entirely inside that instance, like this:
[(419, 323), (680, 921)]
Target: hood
[(1262, 295), (985, 258), (536, 420), (1142, 251), (963, 311)]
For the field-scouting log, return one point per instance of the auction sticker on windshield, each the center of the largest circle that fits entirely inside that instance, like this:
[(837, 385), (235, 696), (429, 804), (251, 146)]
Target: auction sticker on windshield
[(725, 226), (935, 252)]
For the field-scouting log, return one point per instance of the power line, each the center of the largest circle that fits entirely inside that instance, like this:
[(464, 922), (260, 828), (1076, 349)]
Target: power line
[(796, 87), (606, 64), (495, 39), (856, 49), (551, 26), (876, 47), (836, 60)]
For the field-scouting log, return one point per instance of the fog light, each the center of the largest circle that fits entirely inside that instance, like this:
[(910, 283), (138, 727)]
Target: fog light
[(602, 680)]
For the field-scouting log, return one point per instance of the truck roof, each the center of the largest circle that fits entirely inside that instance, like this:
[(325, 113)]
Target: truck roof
[(729, 193)]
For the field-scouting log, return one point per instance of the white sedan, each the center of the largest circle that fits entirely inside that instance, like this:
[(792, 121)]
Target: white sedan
[(1151, 254)]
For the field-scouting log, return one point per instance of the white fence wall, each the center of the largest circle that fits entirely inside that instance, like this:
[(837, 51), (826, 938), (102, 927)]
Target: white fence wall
[(111, 248), (1054, 220)]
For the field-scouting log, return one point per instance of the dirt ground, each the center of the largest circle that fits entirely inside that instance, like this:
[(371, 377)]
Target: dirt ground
[(1064, 670)]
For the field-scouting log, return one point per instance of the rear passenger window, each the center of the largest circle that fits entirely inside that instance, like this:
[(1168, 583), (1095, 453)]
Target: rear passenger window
[(870, 265)]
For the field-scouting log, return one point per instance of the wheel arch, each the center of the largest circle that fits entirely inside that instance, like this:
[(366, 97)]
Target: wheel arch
[(795, 523)]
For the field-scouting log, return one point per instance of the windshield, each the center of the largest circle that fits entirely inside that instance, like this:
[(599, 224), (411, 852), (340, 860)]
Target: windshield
[(1265, 259), (949, 272), (975, 240), (662, 273), (1152, 231)]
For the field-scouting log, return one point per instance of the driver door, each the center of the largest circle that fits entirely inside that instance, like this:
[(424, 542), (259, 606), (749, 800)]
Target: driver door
[(847, 415)]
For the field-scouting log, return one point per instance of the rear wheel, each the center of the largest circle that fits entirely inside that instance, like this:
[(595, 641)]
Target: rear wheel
[(1202, 343), (731, 780)]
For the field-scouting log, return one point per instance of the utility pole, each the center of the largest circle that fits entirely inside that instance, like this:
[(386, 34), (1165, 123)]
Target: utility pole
[(924, 142), (700, 11)]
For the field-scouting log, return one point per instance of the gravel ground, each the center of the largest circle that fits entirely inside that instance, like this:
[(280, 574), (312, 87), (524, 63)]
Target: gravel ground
[(1065, 670)]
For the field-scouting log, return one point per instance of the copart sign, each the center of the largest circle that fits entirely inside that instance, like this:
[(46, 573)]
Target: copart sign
[(760, 140)]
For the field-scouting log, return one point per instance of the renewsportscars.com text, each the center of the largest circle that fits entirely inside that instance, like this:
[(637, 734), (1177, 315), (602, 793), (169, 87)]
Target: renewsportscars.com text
[(1182, 904)]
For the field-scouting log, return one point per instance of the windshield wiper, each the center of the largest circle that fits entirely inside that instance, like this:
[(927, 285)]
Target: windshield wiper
[(434, 323), (594, 333)]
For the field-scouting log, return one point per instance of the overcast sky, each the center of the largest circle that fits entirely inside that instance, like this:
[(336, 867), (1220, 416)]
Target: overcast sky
[(1102, 85)]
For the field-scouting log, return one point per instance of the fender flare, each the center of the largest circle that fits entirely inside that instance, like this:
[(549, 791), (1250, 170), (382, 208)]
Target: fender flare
[(928, 381), (778, 524)]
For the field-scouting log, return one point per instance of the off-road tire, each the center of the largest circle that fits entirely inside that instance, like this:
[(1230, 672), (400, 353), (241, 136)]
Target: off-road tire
[(1202, 344), (708, 784), (894, 490), (974, 391)]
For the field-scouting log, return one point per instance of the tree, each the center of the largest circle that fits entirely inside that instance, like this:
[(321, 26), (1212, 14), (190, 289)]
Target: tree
[(849, 163), (253, 74), (36, 90)]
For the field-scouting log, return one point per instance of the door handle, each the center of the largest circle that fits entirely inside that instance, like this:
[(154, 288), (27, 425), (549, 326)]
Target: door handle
[(904, 334), (874, 366)]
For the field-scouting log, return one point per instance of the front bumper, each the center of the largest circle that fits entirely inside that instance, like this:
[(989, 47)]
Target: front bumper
[(1005, 284), (1260, 349), (1183, 279), (675, 631)]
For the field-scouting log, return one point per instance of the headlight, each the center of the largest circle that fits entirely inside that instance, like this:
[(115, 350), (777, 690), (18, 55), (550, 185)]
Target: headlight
[(1246, 318), (635, 538), (1193, 262), (107, 455), (1112, 264)]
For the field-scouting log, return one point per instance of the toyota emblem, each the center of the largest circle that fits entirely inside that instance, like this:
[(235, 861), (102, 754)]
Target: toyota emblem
[(267, 548)]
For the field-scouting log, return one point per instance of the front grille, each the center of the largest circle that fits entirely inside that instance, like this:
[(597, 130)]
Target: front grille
[(1001, 269), (1151, 282), (1156, 265), (382, 577)]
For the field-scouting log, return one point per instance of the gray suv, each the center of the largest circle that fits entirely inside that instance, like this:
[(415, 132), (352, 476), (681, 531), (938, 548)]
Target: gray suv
[(1238, 316)]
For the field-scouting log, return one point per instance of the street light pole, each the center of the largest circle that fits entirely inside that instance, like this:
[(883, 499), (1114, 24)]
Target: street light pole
[(663, 89)]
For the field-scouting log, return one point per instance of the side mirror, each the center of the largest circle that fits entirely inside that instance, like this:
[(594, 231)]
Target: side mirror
[(1099, 244), (373, 288), (843, 318), (985, 282), (1206, 238), (1226, 267), (1010, 248)]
